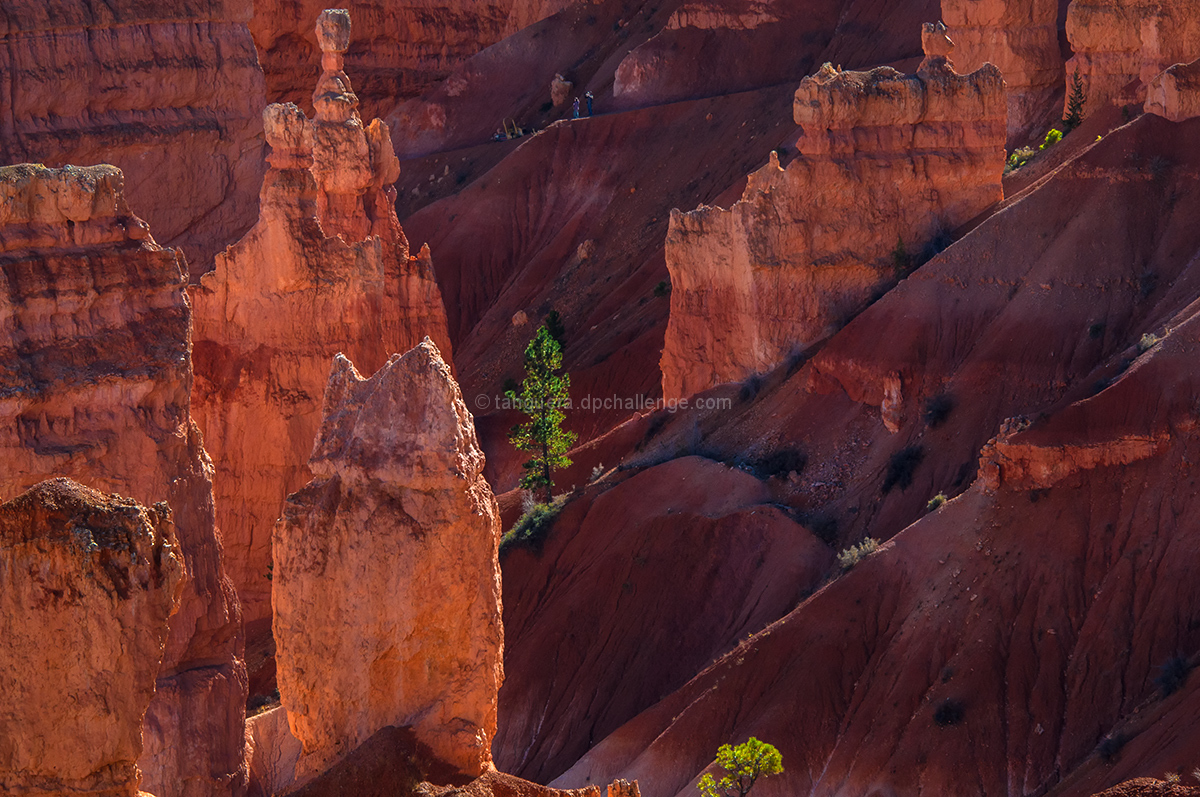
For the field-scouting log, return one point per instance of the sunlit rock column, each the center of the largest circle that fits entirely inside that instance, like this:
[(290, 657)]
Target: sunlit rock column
[(387, 578)]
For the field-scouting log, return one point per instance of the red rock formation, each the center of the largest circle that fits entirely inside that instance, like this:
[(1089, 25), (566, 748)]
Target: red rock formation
[(403, 49), (87, 582), (1021, 38), (168, 92), (275, 753), (1150, 787), (886, 160), (326, 269), (760, 42), (748, 564), (1175, 93), (386, 586), (1047, 605), (96, 381), (1119, 41)]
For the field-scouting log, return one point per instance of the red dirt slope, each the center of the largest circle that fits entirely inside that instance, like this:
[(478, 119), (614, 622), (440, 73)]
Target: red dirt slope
[(610, 180), (597, 589), (1045, 598)]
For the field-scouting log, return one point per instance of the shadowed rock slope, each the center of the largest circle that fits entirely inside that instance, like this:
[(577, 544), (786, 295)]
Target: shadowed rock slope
[(997, 642)]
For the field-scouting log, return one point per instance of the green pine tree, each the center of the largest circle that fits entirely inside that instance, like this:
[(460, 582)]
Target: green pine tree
[(544, 396), (743, 766), (1075, 104)]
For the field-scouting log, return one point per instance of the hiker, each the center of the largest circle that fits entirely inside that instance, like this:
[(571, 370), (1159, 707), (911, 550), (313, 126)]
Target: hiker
[(575, 110), (589, 99)]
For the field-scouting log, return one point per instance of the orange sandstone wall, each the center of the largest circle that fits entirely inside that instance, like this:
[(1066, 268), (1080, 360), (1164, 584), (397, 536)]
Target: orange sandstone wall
[(95, 384), (1119, 41), (402, 48), (1021, 38), (168, 92), (884, 158), (325, 270)]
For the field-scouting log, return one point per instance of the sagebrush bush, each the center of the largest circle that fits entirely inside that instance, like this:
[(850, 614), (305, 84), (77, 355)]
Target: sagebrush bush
[(1148, 342), (937, 409), (750, 387), (936, 502), (901, 468), (781, 463), (856, 553), (533, 527), (949, 712), (1172, 674), (1110, 746)]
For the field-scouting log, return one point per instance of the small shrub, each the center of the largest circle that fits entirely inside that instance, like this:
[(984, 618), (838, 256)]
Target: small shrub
[(1171, 778), (554, 325), (1159, 166), (533, 527), (1147, 283), (950, 712), (597, 472), (781, 463), (662, 289), (655, 425), (824, 526), (856, 553), (940, 242), (1110, 747), (936, 502), (1019, 158), (1148, 342), (257, 704), (901, 467), (750, 387), (1172, 675), (1053, 136), (938, 409)]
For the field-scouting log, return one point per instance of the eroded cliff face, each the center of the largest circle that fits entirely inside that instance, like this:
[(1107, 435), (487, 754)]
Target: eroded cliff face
[(1120, 41), (1175, 92), (168, 92), (887, 162), (1077, 538), (326, 269), (1021, 38), (87, 582), (95, 385), (386, 586), (403, 48)]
